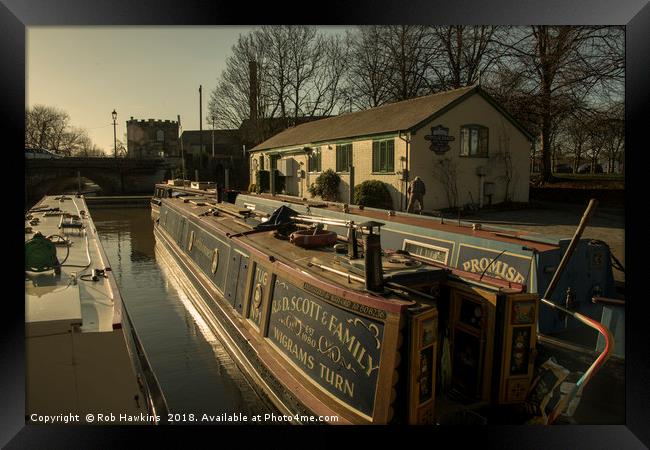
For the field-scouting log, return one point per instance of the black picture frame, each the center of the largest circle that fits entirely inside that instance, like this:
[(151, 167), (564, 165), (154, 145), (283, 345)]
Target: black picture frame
[(15, 15)]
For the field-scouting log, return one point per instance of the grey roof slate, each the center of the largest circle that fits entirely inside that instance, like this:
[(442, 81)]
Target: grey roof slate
[(392, 117)]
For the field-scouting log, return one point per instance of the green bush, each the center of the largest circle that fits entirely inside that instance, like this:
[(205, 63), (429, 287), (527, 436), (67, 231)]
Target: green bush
[(373, 193), (326, 186)]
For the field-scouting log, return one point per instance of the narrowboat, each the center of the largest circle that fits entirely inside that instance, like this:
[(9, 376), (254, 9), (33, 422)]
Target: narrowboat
[(84, 361), (329, 322), (586, 285)]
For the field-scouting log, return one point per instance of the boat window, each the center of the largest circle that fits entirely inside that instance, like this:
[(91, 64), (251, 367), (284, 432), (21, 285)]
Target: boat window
[(426, 251)]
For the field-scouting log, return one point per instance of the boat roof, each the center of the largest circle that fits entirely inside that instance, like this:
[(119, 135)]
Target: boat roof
[(307, 261), (535, 241), (77, 357), (59, 301)]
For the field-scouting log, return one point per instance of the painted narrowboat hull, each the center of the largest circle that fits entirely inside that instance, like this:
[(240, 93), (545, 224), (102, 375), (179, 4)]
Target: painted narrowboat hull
[(507, 254), (318, 344)]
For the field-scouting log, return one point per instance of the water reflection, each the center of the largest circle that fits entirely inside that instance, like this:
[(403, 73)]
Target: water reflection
[(195, 372)]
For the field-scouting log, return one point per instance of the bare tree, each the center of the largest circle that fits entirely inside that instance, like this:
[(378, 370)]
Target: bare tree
[(45, 127), (463, 53), (557, 67), (326, 94), (575, 138), (84, 147), (299, 73), (446, 173), (615, 144), (229, 100), (369, 68), (409, 52), (598, 130), (49, 128)]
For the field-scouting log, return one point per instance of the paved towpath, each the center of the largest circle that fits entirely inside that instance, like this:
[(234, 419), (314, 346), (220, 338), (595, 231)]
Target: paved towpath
[(561, 219)]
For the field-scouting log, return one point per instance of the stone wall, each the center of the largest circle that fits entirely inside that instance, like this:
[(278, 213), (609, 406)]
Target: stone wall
[(152, 138)]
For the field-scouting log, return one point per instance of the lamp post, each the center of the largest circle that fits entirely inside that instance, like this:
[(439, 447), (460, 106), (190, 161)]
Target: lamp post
[(114, 114)]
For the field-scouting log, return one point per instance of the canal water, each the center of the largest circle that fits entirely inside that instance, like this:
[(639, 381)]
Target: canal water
[(194, 370)]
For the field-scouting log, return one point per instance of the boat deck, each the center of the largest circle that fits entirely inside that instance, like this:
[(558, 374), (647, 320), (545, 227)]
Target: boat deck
[(78, 359), (305, 260), (448, 225)]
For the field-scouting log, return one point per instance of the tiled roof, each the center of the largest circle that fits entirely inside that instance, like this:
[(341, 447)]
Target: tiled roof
[(399, 116)]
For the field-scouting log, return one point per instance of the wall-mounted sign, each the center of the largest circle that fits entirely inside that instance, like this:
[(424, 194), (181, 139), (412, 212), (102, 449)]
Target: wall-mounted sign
[(440, 139)]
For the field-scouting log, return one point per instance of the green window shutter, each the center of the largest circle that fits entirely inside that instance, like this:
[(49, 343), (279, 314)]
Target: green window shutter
[(375, 157), (350, 160), (343, 157), (390, 150)]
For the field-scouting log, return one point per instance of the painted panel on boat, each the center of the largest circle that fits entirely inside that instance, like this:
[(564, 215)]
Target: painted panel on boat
[(260, 287), (337, 349), (494, 263), (210, 254), (236, 280)]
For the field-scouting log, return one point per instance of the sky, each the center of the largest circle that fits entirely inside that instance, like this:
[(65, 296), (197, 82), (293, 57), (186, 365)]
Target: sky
[(145, 72)]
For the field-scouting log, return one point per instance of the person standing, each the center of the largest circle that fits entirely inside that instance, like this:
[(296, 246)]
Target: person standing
[(416, 191)]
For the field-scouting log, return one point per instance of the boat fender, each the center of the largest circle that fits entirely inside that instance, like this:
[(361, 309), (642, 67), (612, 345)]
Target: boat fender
[(310, 239)]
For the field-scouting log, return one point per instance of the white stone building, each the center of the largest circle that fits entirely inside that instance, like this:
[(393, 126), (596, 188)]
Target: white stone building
[(464, 146)]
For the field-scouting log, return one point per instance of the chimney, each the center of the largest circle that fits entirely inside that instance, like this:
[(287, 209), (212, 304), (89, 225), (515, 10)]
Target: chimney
[(252, 101), (374, 269)]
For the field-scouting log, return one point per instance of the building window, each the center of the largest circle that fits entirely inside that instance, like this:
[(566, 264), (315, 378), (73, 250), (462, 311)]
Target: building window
[(383, 156), (474, 140), (273, 162), (343, 157), (160, 135), (314, 162), (261, 162)]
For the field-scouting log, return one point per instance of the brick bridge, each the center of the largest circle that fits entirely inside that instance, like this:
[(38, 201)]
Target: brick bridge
[(113, 175)]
